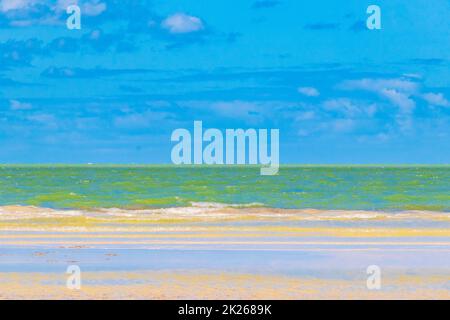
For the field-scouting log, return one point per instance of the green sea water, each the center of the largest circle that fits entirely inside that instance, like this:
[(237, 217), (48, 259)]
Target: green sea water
[(319, 187)]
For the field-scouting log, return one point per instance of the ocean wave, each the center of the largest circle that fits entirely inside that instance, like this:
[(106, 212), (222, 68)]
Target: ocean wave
[(211, 210), (30, 212), (220, 205)]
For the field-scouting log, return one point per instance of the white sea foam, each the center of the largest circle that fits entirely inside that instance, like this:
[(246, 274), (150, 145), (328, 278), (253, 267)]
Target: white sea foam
[(217, 210), (218, 205), (30, 212)]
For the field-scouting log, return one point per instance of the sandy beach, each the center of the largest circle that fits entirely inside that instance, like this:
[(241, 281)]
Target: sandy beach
[(211, 252)]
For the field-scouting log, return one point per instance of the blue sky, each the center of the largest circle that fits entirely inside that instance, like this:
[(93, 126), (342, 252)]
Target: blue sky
[(113, 91)]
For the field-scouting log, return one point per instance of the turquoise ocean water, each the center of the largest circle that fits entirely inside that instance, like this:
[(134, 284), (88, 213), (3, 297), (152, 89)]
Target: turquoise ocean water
[(318, 187)]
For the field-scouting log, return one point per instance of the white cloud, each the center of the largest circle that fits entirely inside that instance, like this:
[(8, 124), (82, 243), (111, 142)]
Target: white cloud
[(303, 116), (397, 91), (343, 125), (146, 119), (21, 13), (62, 5), (252, 112), (47, 120), (412, 75), (9, 5), (375, 138), (400, 99), (238, 109), (337, 126), (93, 8), (342, 105), (44, 118), (350, 108), (89, 8), (377, 85), (309, 91), (17, 105), (436, 99), (182, 23)]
